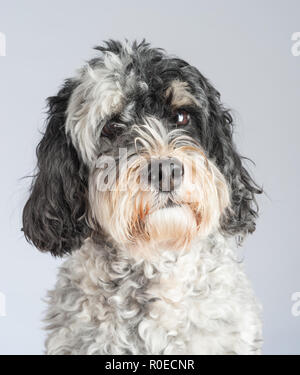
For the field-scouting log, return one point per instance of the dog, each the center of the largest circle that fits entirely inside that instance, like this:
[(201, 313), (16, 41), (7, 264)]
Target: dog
[(140, 185)]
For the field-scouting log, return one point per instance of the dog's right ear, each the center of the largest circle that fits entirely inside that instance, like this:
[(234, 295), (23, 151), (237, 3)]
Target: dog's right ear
[(54, 217)]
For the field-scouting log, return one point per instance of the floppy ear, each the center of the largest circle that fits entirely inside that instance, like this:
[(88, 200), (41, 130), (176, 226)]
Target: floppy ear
[(54, 215), (241, 218)]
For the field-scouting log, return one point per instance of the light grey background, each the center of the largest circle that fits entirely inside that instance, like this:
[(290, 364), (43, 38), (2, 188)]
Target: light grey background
[(244, 47)]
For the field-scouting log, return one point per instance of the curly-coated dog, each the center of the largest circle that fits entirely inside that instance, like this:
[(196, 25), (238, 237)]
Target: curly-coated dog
[(140, 185)]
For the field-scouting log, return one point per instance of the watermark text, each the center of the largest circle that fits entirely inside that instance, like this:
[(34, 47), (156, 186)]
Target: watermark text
[(296, 305), (2, 44), (2, 304), (296, 45)]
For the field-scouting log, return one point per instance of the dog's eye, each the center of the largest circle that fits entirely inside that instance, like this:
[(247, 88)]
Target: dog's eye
[(109, 130), (182, 117)]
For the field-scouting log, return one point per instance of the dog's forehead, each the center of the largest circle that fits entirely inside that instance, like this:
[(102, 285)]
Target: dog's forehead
[(119, 81), (128, 84)]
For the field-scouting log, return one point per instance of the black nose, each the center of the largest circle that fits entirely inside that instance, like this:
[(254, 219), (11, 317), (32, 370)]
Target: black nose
[(165, 174)]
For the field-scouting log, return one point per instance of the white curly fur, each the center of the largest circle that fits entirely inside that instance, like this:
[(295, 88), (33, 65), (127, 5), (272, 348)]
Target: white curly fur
[(199, 302)]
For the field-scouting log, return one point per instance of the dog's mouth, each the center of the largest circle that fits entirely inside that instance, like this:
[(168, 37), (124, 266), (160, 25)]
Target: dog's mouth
[(168, 201), (169, 204)]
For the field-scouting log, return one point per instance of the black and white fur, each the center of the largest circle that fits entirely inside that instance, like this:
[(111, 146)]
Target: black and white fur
[(148, 288)]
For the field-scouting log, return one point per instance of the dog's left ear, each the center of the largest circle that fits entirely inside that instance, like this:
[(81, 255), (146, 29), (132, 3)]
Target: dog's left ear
[(241, 218), (54, 215)]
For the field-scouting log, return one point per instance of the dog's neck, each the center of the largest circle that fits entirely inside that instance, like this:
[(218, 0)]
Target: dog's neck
[(160, 259)]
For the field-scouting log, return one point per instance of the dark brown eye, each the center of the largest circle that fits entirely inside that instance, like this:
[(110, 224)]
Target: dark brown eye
[(182, 118), (109, 130)]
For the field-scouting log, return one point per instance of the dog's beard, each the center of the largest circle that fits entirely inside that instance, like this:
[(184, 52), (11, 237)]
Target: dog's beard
[(146, 220)]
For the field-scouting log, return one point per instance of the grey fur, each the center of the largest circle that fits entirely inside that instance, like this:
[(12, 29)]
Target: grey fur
[(109, 300), (104, 303)]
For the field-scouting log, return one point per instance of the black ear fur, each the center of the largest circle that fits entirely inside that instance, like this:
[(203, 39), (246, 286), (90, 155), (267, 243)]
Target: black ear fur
[(216, 137), (54, 215), (244, 209)]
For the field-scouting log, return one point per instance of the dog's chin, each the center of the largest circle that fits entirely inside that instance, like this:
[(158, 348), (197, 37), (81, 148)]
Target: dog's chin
[(171, 227)]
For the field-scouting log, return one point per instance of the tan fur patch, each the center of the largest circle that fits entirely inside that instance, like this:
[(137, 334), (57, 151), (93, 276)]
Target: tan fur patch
[(180, 94)]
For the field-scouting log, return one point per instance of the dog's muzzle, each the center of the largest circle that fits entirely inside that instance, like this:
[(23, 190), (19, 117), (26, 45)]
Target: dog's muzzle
[(164, 194)]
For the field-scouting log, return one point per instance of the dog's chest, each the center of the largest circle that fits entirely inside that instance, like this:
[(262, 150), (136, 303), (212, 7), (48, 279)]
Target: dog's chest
[(184, 300), (190, 304), (202, 303)]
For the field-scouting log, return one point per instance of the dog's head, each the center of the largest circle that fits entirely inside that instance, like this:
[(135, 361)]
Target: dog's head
[(138, 148)]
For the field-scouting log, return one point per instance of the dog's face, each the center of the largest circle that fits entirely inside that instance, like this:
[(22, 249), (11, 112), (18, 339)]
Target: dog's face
[(138, 149)]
